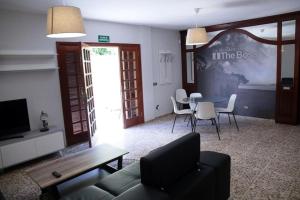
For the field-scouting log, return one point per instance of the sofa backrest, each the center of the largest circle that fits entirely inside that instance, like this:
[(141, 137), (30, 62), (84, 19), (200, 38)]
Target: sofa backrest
[(164, 166)]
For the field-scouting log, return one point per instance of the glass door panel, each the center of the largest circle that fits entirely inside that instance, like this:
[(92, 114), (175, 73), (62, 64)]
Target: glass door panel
[(288, 30), (72, 92), (287, 64), (131, 82)]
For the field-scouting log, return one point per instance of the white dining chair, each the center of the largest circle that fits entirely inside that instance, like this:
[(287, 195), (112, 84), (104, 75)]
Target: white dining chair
[(180, 96), (206, 111), (186, 112), (229, 110), (192, 104)]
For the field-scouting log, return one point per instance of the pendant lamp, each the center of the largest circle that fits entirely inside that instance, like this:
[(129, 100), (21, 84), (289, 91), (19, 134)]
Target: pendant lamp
[(197, 35), (64, 22)]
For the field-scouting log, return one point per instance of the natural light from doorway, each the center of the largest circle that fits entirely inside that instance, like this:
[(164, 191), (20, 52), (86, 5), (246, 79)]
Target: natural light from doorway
[(105, 63)]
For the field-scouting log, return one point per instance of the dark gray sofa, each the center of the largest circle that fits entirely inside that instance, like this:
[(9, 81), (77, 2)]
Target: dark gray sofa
[(176, 171), (1, 196)]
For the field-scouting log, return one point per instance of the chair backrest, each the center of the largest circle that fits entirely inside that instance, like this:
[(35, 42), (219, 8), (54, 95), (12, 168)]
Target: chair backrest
[(180, 95), (231, 102), (174, 104), (195, 95), (205, 110)]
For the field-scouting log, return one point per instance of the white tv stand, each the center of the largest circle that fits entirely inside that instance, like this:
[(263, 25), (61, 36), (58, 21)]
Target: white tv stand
[(34, 144)]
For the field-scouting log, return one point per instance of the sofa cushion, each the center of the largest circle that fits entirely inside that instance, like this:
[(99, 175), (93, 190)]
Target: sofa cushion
[(133, 169), (88, 193), (165, 165), (121, 180), (221, 164), (1, 196), (142, 192), (196, 185)]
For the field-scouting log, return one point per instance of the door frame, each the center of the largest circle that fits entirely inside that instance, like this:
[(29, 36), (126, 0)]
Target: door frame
[(119, 45), (65, 97)]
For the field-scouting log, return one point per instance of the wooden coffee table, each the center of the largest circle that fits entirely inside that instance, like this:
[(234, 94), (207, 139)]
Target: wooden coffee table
[(74, 165)]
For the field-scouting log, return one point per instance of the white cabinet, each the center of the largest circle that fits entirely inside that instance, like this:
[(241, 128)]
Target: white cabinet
[(49, 143), (18, 152), (33, 145)]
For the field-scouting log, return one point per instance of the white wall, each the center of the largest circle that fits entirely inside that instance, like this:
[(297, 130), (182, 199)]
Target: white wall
[(165, 41), (23, 31)]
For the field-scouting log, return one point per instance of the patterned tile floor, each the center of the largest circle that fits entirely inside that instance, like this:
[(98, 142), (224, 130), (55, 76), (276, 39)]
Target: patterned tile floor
[(265, 156)]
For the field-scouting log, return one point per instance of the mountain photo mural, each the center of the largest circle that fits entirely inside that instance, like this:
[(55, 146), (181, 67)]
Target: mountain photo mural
[(236, 63)]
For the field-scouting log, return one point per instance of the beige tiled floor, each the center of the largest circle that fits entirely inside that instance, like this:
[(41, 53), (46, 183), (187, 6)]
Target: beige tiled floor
[(265, 156)]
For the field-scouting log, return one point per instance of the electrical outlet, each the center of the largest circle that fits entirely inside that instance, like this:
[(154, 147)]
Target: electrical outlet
[(246, 107)]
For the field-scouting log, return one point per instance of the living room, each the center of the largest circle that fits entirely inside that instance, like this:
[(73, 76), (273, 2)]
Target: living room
[(31, 70)]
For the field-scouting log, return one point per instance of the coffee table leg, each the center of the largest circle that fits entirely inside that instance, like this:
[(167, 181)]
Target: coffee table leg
[(120, 162)]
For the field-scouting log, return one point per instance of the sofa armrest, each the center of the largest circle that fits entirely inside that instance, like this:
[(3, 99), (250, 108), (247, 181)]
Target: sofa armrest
[(222, 165), (164, 166), (1, 196), (141, 191)]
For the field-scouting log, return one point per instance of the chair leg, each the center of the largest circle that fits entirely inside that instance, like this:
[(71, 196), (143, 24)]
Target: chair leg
[(218, 125), (217, 128), (192, 123), (174, 123), (188, 121), (185, 118), (229, 118), (219, 119), (196, 120), (235, 121)]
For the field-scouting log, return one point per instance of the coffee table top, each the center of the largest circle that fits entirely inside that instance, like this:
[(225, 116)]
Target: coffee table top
[(75, 164)]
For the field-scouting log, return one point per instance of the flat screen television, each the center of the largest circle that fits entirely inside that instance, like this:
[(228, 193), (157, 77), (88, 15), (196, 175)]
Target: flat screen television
[(13, 117)]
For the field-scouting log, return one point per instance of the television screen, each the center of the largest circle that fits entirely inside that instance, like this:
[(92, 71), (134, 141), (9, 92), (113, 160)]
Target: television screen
[(13, 117)]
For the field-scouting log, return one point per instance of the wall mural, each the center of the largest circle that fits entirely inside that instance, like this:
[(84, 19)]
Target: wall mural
[(236, 63)]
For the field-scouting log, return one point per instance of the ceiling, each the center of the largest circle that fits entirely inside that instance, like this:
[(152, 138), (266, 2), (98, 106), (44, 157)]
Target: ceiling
[(170, 14)]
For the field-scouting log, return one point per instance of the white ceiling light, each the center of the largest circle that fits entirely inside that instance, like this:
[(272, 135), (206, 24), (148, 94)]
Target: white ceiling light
[(64, 22), (196, 36)]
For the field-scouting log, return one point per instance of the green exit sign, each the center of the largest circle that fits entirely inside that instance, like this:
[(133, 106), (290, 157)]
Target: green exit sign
[(103, 38)]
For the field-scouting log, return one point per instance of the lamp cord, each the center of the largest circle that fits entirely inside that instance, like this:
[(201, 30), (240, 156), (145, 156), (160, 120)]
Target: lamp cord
[(197, 13)]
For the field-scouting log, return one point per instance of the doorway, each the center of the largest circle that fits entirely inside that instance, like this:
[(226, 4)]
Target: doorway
[(109, 72), (105, 63)]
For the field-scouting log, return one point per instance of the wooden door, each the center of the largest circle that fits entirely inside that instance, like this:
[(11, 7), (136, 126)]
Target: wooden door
[(287, 94), (89, 94), (74, 98), (131, 84)]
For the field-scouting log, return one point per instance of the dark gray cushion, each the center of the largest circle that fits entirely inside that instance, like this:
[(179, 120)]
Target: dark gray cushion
[(164, 166), (142, 192), (133, 169), (196, 185), (1, 196), (122, 180), (89, 193)]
